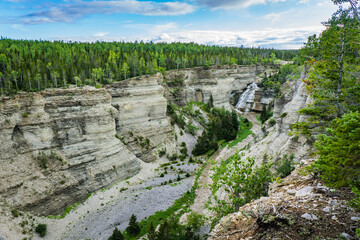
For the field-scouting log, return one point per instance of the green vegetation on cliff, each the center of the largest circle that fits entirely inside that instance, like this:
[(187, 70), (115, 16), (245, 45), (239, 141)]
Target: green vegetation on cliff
[(333, 64)]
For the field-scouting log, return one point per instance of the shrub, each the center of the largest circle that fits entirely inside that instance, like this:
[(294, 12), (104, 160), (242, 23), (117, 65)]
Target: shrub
[(41, 229), (272, 122), (134, 228), (241, 181), (285, 166), (283, 115), (162, 152), (15, 213)]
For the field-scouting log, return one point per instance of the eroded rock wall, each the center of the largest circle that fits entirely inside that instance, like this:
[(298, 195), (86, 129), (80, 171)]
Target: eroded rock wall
[(141, 116), (200, 83), (57, 146)]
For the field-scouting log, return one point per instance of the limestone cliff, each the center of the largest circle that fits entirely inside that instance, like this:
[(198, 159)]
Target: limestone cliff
[(199, 84), (57, 146), (299, 206), (141, 117)]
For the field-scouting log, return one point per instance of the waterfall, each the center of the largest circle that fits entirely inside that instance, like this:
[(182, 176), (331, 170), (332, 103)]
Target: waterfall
[(247, 98)]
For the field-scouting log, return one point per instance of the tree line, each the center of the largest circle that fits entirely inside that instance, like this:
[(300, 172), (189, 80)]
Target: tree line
[(27, 65)]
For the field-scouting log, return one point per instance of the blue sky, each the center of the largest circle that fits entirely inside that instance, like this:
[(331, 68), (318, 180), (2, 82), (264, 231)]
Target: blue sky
[(283, 24)]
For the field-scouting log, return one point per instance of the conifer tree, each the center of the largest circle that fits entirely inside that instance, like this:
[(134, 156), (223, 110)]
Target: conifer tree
[(134, 228)]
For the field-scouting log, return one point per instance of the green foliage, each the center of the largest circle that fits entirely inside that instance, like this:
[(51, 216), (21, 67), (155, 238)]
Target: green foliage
[(41, 229), (162, 152), (171, 229), (15, 213), (176, 117), (134, 228), (222, 125), (333, 62), (241, 181), (196, 220), (355, 202), (285, 166), (339, 149), (272, 122), (273, 82), (36, 65), (266, 113), (116, 235)]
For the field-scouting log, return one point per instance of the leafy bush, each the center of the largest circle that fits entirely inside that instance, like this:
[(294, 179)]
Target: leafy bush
[(162, 152), (242, 182), (41, 229), (285, 166), (272, 122), (15, 213)]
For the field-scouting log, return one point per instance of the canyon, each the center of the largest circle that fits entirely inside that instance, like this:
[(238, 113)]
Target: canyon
[(59, 145)]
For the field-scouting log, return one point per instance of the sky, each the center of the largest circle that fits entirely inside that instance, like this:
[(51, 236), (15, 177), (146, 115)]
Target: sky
[(279, 24)]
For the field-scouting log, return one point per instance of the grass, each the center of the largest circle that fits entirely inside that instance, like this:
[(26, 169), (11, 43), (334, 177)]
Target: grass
[(240, 137), (243, 132)]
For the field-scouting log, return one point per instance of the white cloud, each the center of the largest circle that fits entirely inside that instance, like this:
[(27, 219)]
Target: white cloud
[(164, 27), (273, 17), (100, 34), (290, 38), (71, 11), (231, 4)]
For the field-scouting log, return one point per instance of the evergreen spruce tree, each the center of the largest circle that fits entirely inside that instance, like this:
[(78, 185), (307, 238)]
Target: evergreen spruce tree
[(117, 235), (134, 228)]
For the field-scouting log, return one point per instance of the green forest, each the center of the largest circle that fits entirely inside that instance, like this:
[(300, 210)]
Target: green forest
[(36, 65)]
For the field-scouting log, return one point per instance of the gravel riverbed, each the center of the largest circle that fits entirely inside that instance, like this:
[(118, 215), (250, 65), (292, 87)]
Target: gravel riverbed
[(142, 195)]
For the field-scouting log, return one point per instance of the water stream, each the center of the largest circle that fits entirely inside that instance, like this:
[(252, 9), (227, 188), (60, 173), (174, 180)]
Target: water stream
[(247, 98)]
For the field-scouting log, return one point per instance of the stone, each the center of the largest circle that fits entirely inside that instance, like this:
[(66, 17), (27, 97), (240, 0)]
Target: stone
[(291, 191), (326, 209), (309, 216), (347, 236), (304, 191)]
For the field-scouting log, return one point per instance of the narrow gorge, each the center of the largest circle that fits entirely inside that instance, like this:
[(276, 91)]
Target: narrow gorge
[(59, 145)]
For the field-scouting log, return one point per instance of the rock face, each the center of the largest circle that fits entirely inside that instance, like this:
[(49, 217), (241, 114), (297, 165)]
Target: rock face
[(199, 84), (57, 146), (298, 207), (141, 114), (278, 141)]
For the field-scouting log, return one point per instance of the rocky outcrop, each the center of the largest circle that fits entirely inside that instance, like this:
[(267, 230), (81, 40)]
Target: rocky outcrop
[(57, 146), (199, 84), (141, 116), (275, 139), (298, 207)]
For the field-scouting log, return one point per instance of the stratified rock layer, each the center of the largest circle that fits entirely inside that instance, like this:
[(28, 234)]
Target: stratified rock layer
[(220, 83), (141, 114), (57, 146)]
